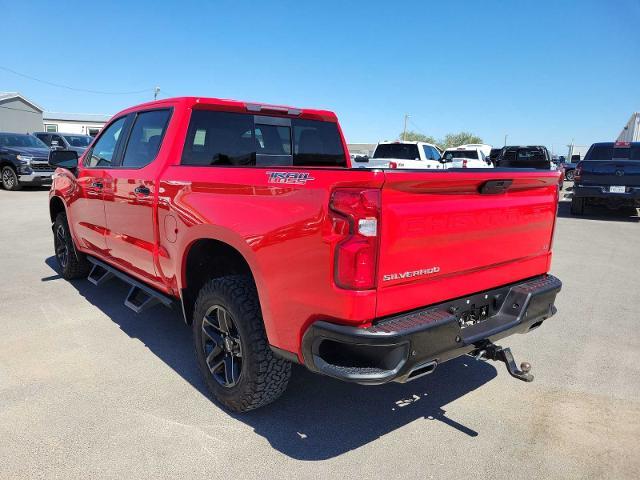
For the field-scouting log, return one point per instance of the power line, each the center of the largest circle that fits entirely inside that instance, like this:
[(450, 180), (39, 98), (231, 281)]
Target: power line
[(59, 85)]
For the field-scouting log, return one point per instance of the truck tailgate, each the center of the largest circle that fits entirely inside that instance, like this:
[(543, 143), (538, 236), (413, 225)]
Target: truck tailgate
[(612, 172), (441, 238)]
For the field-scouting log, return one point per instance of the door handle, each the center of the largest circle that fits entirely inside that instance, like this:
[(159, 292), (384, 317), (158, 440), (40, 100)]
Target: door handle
[(97, 185), (142, 190)]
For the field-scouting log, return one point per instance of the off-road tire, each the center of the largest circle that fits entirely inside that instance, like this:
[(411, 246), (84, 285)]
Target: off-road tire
[(9, 178), (76, 264), (263, 377), (577, 206)]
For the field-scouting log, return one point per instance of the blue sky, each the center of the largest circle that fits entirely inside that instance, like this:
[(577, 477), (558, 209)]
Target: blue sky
[(542, 72)]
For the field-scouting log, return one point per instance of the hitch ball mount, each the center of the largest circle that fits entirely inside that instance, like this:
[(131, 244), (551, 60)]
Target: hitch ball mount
[(504, 355)]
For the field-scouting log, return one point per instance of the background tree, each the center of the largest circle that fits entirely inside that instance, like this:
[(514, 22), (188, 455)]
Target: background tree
[(460, 138), (412, 136), (449, 140)]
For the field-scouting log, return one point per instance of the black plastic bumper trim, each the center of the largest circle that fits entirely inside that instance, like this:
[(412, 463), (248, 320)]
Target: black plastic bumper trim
[(400, 344)]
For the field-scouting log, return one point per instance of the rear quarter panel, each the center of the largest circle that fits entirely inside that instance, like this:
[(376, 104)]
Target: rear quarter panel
[(280, 229)]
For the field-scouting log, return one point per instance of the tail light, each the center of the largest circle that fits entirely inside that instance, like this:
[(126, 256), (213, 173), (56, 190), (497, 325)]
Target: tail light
[(464, 163), (577, 173), (356, 216)]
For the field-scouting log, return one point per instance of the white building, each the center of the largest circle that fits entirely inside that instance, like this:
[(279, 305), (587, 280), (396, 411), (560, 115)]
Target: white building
[(84, 123)]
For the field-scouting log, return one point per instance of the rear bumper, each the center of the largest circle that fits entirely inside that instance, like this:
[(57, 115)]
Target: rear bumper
[(602, 191), (403, 347)]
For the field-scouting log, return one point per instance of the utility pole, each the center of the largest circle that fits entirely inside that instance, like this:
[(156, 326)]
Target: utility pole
[(404, 132), (505, 139), (156, 91)]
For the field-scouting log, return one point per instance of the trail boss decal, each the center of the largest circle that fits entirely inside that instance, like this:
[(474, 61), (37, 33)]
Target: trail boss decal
[(415, 273), (291, 178)]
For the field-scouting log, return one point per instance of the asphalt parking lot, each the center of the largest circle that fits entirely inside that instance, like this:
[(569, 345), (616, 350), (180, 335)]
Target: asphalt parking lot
[(90, 390)]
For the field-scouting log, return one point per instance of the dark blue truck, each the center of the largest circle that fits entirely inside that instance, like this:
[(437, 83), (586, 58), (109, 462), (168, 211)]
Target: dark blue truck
[(609, 175)]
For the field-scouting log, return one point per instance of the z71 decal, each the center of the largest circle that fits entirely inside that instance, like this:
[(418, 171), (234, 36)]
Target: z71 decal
[(291, 178)]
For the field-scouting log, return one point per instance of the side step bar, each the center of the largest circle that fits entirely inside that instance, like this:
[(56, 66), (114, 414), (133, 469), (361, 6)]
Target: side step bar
[(140, 296)]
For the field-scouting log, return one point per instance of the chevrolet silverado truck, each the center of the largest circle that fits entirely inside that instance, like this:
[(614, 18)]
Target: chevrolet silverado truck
[(609, 175), (249, 220), (23, 161)]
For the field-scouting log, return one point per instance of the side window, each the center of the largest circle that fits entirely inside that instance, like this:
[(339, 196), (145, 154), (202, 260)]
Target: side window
[(101, 154), (317, 144), (146, 135), (219, 138), (45, 138), (58, 138), (430, 153)]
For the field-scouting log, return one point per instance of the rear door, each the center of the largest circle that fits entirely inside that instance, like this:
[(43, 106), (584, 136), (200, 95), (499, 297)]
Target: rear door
[(442, 238)]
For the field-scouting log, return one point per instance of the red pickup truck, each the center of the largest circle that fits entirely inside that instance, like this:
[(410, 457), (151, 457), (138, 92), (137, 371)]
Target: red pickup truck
[(249, 219)]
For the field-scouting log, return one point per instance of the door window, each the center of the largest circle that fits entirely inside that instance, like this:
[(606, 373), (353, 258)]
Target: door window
[(102, 153), (146, 136), (46, 138)]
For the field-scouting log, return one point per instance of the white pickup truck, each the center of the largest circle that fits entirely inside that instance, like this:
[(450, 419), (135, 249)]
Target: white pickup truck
[(411, 155), (468, 156)]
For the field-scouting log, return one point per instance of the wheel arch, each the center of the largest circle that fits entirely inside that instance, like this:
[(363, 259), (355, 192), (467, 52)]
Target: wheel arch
[(204, 259), (56, 206)]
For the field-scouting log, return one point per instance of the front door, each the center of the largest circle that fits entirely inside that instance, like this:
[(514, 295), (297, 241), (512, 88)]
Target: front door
[(87, 208), (130, 196)]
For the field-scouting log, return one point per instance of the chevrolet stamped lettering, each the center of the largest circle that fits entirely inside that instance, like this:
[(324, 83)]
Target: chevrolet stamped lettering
[(292, 178), (414, 273)]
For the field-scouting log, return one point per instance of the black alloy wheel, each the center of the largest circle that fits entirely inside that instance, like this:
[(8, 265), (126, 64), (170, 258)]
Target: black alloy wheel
[(222, 346)]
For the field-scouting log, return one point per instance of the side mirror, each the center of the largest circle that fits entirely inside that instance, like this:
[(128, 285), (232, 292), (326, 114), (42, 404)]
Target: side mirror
[(63, 158)]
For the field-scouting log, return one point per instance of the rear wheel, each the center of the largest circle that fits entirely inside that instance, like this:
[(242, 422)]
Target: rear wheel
[(577, 206), (231, 346), (569, 175), (73, 264), (10, 178)]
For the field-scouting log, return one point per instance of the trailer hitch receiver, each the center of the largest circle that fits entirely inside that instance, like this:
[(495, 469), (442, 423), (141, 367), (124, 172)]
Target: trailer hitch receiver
[(504, 355)]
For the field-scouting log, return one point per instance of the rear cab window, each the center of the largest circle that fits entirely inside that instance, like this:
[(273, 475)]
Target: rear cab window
[(238, 139), (470, 154), (609, 151), (400, 151)]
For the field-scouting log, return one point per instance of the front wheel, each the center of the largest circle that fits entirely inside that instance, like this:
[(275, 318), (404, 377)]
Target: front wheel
[(231, 346), (73, 264), (10, 179)]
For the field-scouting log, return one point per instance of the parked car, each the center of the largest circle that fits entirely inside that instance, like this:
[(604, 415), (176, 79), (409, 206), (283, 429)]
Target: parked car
[(24, 160), (250, 218), (67, 141), (531, 156), (609, 175), (467, 156), (409, 155), (569, 168)]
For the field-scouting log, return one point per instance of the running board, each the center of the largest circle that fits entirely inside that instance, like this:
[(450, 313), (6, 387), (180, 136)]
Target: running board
[(140, 296)]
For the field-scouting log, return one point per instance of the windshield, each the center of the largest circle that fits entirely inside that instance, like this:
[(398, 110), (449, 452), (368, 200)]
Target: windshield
[(19, 140), (402, 151), (607, 151), (450, 154), (82, 141)]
